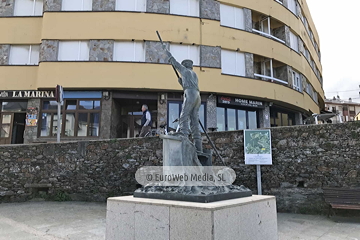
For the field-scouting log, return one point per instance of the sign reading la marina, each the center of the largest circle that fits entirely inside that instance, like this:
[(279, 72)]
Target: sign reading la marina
[(27, 94), (257, 144)]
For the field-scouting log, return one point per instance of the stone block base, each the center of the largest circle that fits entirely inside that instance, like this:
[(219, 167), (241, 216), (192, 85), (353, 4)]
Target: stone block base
[(140, 218)]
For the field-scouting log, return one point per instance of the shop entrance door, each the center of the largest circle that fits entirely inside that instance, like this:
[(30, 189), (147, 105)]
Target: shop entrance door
[(6, 123), (18, 128), (131, 126)]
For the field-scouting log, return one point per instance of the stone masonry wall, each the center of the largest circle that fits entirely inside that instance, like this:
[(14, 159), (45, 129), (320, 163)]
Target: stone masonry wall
[(305, 159), (48, 50), (158, 6), (101, 50), (103, 5), (52, 5), (210, 9), (4, 54), (154, 52), (6, 8), (210, 56)]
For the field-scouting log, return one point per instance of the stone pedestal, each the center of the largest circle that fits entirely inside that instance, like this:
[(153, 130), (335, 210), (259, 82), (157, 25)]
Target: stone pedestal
[(139, 218), (179, 151)]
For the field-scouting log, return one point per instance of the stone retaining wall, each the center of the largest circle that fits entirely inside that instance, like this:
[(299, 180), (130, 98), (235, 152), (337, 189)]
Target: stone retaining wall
[(305, 159)]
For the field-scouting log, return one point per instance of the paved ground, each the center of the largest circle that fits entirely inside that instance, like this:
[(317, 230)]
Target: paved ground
[(86, 221)]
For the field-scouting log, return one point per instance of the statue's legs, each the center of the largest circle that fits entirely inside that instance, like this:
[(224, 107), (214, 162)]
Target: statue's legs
[(190, 112), (195, 126)]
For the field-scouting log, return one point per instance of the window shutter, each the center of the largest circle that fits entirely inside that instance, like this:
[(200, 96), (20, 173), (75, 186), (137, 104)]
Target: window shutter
[(19, 54), (194, 8), (68, 51), (76, 5), (34, 55), (39, 7), (84, 51), (179, 7), (139, 55), (232, 16), (228, 62), (182, 52), (227, 15), (294, 41), (129, 51), (24, 8), (184, 7), (240, 64), (239, 18), (125, 5)]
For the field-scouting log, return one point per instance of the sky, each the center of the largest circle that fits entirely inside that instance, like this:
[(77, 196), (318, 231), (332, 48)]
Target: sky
[(337, 25)]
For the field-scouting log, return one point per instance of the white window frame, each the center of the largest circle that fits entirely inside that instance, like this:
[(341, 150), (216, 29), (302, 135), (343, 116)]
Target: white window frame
[(294, 41), (29, 56), (188, 9), (33, 10), (134, 52), (235, 23), (196, 62), (280, 1), (136, 6), (79, 51), (292, 7), (90, 1), (267, 34), (296, 81), (238, 67), (271, 77)]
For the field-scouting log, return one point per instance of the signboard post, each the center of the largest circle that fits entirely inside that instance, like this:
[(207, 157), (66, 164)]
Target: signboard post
[(257, 148), (59, 95)]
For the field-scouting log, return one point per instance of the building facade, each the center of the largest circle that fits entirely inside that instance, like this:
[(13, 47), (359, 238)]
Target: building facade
[(259, 65), (346, 110)]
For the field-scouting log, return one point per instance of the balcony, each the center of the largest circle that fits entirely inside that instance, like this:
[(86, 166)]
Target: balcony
[(270, 70), (268, 27)]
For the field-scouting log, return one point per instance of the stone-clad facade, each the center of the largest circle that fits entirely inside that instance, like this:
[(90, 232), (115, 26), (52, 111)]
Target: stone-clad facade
[(4, 54), (305, 159), (6, 8), (158, 6)]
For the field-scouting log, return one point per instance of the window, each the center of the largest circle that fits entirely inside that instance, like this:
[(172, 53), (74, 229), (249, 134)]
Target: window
[(28, 8), (79, 118), (174, 110), (129, 51), (232, 16), (294, 41), (233, 63), (296, 81), (292, 6), (76, 5), (265, 25), (24, 54), (182, 52), (279, 117), (231, 119), (73, 51), (307, 54), (315, 96), (133, 5), (185, 7)]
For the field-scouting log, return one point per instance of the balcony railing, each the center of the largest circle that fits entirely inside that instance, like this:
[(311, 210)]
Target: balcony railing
[(269, 35), (270, 78)]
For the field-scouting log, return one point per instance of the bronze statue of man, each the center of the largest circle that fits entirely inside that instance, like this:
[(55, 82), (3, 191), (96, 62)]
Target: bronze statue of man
[(192, 100)]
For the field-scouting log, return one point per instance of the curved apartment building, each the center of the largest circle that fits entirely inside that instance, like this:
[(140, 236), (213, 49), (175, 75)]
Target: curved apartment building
[(259, 65)]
